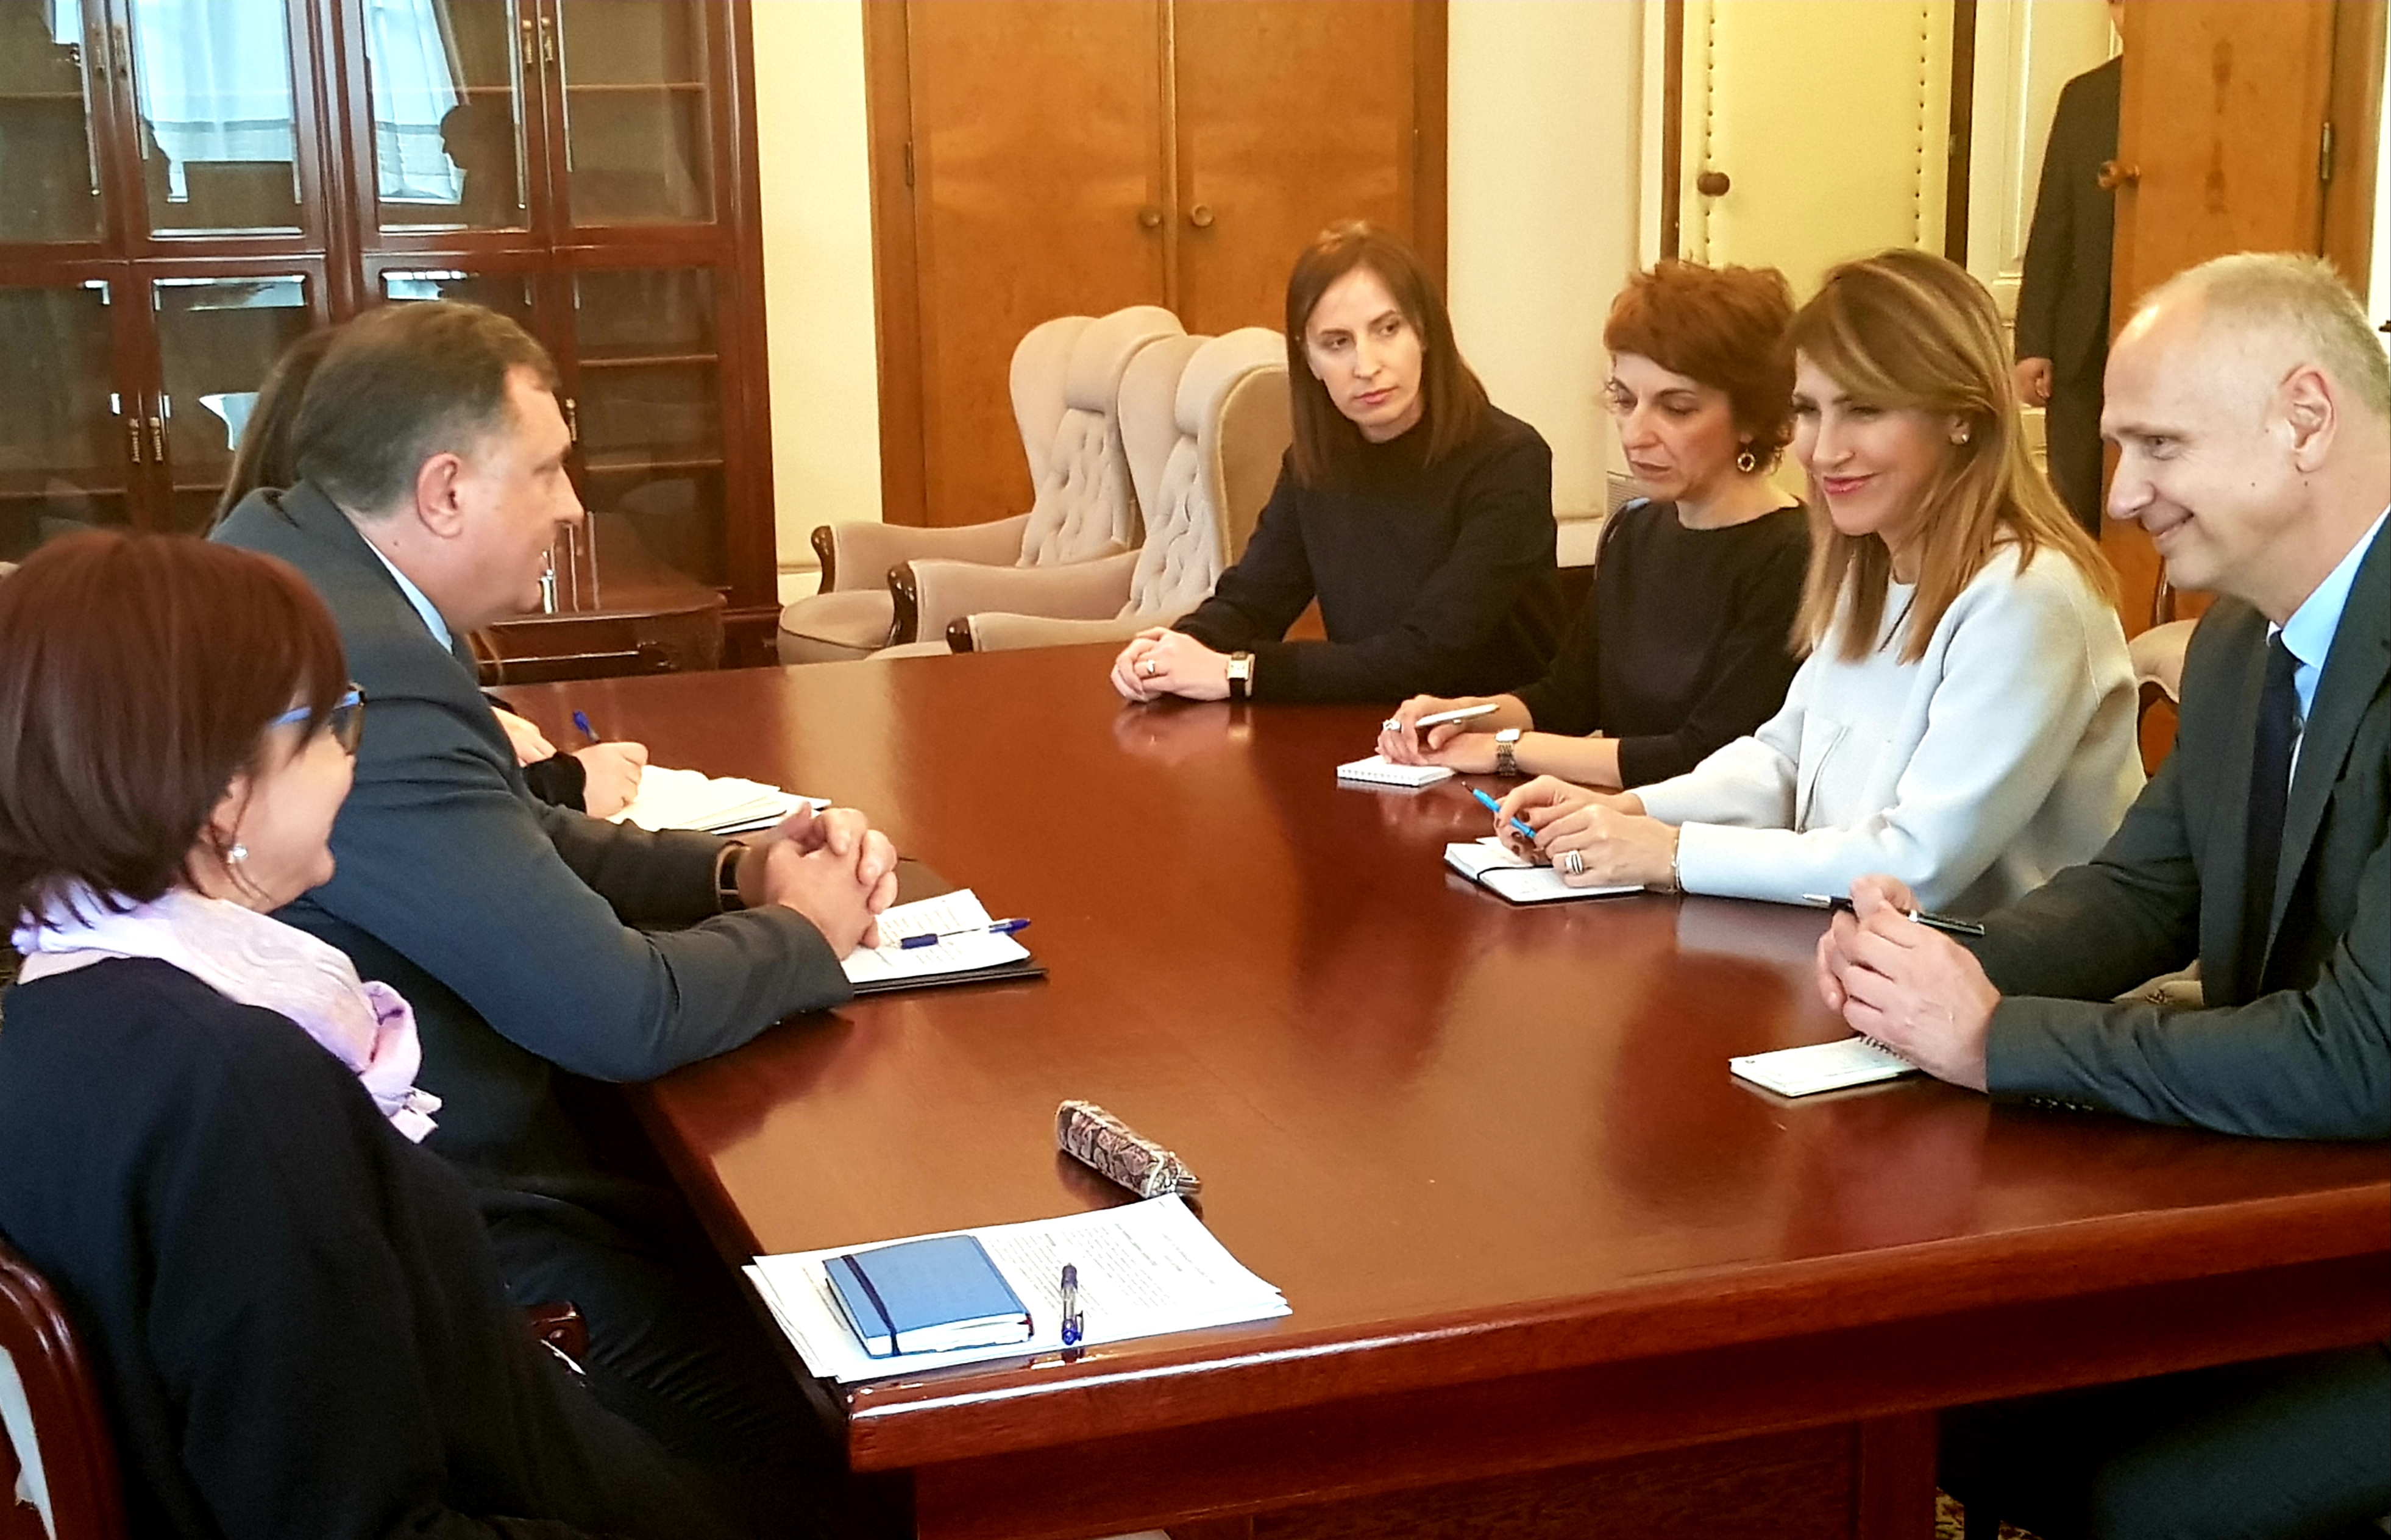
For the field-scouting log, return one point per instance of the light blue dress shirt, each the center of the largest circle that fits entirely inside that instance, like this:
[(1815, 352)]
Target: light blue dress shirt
[(2307, 636), (431, 612)]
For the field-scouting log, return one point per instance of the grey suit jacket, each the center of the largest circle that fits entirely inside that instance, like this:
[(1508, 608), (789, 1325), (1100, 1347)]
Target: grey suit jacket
[(2301, 1051), (513, 927)]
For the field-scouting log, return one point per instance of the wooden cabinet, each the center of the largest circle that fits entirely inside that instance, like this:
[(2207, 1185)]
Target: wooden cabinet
[(1042, 157), (184, 187)]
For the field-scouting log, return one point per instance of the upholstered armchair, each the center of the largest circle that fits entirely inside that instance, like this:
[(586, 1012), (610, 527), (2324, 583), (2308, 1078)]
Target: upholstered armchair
[(1230, 431), (1064, 379)]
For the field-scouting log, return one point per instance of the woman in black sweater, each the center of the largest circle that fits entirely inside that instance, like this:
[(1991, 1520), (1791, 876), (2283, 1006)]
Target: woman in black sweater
[(1685, 641), (1418, 516), (207, 1119)]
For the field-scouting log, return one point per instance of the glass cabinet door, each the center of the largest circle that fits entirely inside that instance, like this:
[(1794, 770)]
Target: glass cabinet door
[(446, 78), (216, 115), (216, 340), (511, 294), (49, 181), (639, 135), (647, 409), (67, 438)]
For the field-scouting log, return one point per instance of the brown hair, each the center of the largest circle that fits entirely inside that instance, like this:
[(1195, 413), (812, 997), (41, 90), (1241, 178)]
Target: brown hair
[(400, 384), (1453, 403), (1908, 330), (1723, 327), (263, 458), (138, 674)]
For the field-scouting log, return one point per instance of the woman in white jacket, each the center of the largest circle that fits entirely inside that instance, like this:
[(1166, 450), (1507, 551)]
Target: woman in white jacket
[(1965, 717)]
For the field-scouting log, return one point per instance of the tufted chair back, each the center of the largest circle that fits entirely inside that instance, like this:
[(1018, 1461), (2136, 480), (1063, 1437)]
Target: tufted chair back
[(1149, 416), (1041, 365), (1086, 504), (1231, 415)]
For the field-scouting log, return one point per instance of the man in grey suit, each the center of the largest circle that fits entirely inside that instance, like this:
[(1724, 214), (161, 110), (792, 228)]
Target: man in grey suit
[(2251, 405), (543, 951)]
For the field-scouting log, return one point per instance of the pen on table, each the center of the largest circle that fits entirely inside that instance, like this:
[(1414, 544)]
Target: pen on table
[(1943, 922), (1073, 1328), (1494, 806), (581, 721), (994, 928)]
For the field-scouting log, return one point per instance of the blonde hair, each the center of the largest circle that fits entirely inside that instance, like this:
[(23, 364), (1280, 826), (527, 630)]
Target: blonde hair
[(2297, 298), (1908, 330)]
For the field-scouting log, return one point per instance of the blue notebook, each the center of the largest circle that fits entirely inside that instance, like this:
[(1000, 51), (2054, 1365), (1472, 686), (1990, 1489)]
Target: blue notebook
[(927, 1296)]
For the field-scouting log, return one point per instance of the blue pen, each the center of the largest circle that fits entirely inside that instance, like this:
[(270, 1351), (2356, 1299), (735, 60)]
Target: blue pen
[(1494, 806), (581, 721), (1073, 1326), (994, 928)]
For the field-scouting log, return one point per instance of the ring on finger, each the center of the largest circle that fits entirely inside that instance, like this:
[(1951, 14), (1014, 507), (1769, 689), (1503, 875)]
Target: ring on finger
[(1573, 863), (1146, 668), (1390, 724)]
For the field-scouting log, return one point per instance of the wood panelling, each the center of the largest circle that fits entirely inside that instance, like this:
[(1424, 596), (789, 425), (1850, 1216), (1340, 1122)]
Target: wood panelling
[(1042, 158)]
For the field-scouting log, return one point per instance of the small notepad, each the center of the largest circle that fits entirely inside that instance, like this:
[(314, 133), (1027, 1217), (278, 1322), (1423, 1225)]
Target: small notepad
[(1507, 874), (1821, 1067), (965, 944), (925, 1296), (1379, 771)]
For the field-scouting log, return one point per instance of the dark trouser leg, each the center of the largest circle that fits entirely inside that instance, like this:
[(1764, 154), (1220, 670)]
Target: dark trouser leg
[(2289, 1447), (675, 1350), (2071, 432)]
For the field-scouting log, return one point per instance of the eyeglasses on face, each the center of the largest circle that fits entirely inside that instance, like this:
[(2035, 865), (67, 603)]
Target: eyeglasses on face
[(345, 722)]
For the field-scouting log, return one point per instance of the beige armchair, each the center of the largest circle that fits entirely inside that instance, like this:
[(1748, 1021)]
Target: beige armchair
[(1230, 431), (1064, 377)]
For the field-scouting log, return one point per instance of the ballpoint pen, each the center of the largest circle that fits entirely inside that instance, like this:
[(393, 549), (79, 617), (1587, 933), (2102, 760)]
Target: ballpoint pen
[(994, 928), (1943, 922), (1073, 1326), (1494, 806), (581, 721)]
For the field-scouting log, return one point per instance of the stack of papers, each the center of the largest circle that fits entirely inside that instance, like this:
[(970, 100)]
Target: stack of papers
[(974, 948), (711, 804), (1146, 1269), (1821, 1067), (1496, 867), (1379, 771)]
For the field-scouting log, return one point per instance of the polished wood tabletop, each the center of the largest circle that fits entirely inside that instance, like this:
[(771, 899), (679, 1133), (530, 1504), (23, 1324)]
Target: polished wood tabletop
[(1482, 1149)]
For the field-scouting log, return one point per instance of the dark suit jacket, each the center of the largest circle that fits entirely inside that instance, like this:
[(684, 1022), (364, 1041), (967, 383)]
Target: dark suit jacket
[(513, 927), (2063, 312), (2301, 1051)]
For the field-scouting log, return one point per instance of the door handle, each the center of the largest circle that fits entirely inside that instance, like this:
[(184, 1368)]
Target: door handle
[(1712, 184), (1200, 216), (1149, 218), (156, 441), (133, 438), (2113, 177)]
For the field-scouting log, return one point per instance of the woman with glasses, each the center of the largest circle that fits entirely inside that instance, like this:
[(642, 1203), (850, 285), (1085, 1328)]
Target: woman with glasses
[(209, 1121)]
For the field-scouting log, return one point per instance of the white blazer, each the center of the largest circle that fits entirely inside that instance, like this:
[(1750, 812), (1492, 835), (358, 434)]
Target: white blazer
[(2006, 752)]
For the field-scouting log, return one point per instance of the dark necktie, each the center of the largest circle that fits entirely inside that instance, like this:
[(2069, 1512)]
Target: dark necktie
[(2271, 789)]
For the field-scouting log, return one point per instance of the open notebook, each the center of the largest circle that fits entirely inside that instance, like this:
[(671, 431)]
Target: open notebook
[(711, 804), (965, 952), (1493, 866)]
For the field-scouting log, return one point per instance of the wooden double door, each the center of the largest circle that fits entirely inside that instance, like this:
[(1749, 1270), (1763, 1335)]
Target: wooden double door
[(1042, 157)]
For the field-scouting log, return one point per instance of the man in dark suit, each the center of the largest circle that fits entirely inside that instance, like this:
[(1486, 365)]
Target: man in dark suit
[(2062, 310), (2251, 409), (543, 951)]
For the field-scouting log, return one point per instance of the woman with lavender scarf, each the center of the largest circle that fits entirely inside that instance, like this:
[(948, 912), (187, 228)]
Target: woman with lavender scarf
[(208, 1120)]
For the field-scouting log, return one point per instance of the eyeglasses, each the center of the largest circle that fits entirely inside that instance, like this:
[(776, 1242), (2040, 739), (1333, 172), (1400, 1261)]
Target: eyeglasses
[(345, 722)]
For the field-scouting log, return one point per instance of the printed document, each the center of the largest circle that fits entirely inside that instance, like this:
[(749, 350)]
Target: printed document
[(710, 804)]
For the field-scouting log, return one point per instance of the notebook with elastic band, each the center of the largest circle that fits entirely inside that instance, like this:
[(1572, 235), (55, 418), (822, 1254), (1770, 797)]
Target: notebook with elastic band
[(927, 1296)]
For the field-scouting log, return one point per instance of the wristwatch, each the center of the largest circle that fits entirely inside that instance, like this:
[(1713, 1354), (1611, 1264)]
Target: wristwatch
[(1507, 752), (726, 877), (1241, 676)]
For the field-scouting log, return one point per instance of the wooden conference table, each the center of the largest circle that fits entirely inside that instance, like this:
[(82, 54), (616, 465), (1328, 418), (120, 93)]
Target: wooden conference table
[(1553, 1271)]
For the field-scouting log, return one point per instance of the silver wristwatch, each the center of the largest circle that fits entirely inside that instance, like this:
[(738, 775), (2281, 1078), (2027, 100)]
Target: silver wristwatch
[(1507, 750)]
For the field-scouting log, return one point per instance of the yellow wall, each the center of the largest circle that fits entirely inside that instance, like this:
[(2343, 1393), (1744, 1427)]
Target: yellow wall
[(1544, 140), (812, 158)]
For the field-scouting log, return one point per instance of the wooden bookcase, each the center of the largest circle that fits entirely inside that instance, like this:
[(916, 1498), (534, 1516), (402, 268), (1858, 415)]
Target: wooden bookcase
[(174, 209)]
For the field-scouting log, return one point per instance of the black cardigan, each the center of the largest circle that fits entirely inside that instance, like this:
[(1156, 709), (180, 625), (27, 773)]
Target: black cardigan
[(294, 1314), (1436, 578), (1686, 641)]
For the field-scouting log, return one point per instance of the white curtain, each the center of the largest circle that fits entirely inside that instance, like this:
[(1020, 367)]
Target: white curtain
[(414, 86), (213, 81)]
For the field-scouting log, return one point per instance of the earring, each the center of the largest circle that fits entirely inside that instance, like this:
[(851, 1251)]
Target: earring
[(235, 856), (1747, 461), (1960, 435)]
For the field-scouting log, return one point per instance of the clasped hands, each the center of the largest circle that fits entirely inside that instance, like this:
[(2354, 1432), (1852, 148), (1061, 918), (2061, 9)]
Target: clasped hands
[(1913, 989), (1159, 661), (1592, 839), (832, 867)]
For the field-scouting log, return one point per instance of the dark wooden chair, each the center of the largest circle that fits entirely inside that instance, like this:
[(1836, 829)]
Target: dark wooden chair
[(70, 1454)]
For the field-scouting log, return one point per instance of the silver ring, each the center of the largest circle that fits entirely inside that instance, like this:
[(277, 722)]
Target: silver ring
[(1573, 863), (1390, 724), (1146, 668)]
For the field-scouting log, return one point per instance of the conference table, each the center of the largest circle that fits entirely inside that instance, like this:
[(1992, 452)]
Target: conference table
[(1553, 1270)]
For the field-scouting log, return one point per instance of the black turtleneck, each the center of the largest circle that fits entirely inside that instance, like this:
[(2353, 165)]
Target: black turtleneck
[(1432, 578)]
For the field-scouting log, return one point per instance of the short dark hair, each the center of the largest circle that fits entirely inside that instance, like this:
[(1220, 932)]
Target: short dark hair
[(1724, 326), (401, 383), (138, 674), (1453, 402), (264, 458)]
